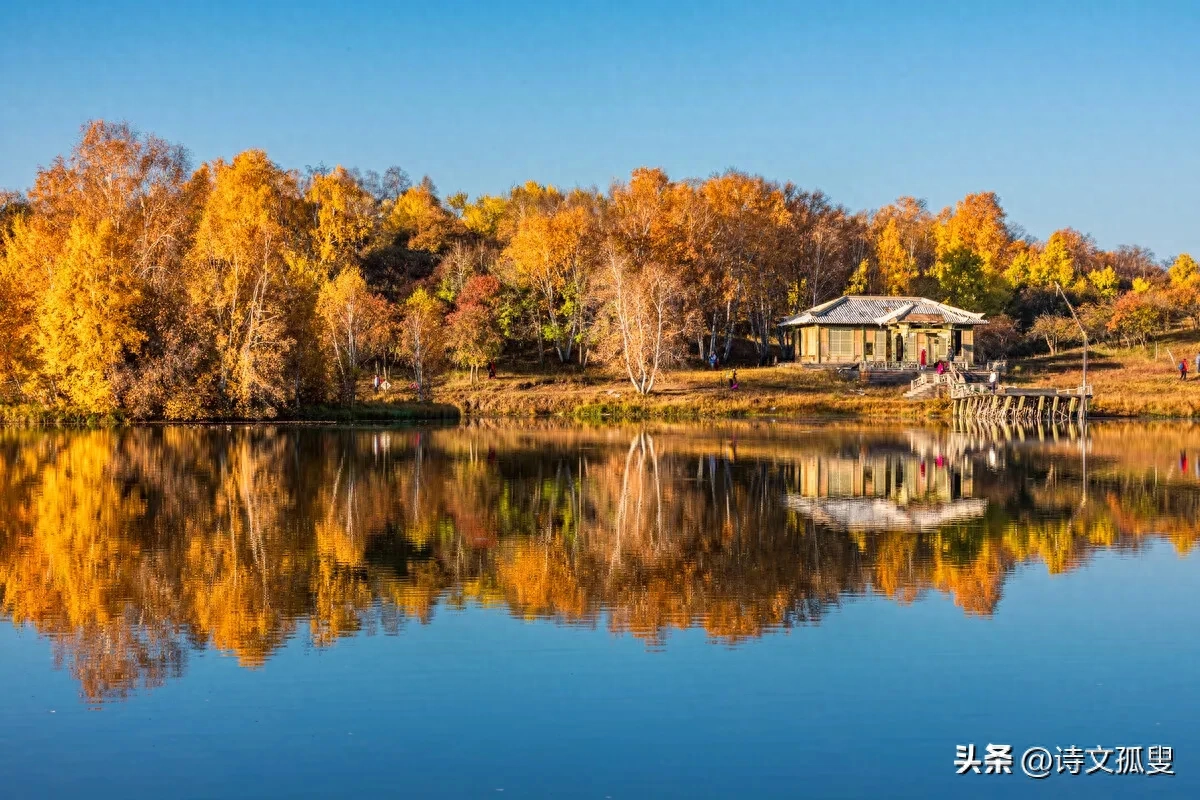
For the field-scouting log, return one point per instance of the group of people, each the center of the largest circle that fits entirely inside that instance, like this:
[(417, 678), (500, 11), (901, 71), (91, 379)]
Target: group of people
[(382, 384), (1183, 367)]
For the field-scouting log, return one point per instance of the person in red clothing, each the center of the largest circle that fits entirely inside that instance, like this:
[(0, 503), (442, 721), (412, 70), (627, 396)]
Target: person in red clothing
[(1183, 370), (923, 357)]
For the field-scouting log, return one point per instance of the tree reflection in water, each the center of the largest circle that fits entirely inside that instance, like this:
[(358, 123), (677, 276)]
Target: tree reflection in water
[(132, 548)]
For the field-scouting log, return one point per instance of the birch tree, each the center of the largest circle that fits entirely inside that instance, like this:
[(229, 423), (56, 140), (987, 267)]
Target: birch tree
[(646, 321)]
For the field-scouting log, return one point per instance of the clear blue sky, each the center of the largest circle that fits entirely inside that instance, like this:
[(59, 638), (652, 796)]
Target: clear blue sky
[(1088, 118)]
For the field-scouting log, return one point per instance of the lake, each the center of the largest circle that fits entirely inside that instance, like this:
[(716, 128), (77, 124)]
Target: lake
[(501, 609)]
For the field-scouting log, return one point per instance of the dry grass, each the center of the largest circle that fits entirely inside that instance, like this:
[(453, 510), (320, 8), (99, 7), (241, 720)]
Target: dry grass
[(1128, 382), (783, 391)]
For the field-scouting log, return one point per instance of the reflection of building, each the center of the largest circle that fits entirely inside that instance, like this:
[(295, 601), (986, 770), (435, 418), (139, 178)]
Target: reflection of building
[(886, 490)]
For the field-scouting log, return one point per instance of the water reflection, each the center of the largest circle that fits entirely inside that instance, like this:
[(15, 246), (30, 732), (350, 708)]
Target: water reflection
[(131, 549)]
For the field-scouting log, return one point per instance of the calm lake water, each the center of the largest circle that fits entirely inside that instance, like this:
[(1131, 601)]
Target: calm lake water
[(496, 609)]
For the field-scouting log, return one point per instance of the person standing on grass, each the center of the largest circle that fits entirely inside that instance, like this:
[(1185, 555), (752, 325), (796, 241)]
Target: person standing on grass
[(1198, 363), (1183, 370)]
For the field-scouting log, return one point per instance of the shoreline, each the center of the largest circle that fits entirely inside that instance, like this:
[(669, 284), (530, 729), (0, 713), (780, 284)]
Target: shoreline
[(885, 406)]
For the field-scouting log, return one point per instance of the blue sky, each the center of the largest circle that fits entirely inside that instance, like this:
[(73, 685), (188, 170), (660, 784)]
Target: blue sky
[(1085, 118)]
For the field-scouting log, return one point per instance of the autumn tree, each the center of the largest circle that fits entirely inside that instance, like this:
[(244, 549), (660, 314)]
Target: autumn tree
[(344, 218), (748, 221), (1054, 331), (997, 337), (1136, 317), (960, 273), (423, 340), (13, 206), (473, 327), (357, 326), (646, 319), (245, 277), (1133, 261), (1105, 283), (979, 223), (903, 241), (553, 256), (1184, 271), (826, 244), (95, 259), (419, 217), (462, 262), (1065, 253)]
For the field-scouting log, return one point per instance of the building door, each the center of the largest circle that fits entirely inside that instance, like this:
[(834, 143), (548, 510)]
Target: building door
[(899, 347)]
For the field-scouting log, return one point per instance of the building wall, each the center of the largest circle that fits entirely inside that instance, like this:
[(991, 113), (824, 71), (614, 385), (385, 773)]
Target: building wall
[(814, 344)]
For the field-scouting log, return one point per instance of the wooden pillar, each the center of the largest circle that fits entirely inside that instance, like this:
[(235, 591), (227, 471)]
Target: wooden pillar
[(1041, 406)]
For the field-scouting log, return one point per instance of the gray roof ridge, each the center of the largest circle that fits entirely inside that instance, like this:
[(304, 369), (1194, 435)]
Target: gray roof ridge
[(828, 305)]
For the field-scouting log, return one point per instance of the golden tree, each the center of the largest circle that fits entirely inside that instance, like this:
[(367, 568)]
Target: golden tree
[(357, 326), (91, 264), (423, 340), (345, 218), (242, 261), (552, 255)]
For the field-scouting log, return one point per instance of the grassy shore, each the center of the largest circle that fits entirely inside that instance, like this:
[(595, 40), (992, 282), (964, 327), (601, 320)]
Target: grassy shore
[(1128, 382), (783, 391)]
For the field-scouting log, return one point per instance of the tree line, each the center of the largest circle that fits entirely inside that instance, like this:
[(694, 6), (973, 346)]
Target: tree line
[(131, 282)]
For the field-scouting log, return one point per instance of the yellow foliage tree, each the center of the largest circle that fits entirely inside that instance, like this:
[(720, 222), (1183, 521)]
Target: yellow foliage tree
[(244, 252), (419, 216), (423, 340), (345, 217), (1184, 271), (357, 326), (978, 223), (896, 266)]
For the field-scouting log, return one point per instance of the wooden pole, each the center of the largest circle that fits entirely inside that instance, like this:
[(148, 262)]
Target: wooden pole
[(1083, 331)]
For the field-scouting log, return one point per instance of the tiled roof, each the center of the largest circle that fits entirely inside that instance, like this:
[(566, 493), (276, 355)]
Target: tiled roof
[(875, 310)]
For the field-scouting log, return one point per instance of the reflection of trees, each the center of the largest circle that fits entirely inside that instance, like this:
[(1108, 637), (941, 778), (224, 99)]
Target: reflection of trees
[(131, 548)]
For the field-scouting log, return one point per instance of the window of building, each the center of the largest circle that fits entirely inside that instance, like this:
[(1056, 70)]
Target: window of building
[(841, 343)]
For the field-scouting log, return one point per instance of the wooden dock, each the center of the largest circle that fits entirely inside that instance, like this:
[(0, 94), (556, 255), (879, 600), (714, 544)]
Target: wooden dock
[(1012, 405)]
